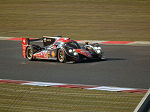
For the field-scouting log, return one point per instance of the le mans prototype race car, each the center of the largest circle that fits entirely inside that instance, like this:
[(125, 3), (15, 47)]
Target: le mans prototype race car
[(60, 49)]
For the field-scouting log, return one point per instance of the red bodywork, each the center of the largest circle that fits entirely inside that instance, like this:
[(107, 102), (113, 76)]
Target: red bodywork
[(24, 46), (84, 52), (50, 51), (45, 54), (64, 40), (41, 55)]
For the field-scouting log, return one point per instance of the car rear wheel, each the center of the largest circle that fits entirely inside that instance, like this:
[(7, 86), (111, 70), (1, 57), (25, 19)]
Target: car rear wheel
[(61, 56), (29, 53)]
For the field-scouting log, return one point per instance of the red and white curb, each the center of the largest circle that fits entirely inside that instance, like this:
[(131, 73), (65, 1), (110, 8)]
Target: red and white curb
[(63, 85), (136, 43)]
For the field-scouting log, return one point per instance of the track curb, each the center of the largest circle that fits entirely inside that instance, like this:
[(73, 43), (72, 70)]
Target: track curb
[(132, 43), (63, 85)]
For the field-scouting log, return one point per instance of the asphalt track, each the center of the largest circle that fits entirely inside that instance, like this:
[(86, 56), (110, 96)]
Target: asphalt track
[(126, 66)]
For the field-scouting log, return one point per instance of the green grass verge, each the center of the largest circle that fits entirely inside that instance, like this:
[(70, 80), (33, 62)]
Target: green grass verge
[(16, 98), (78, 19)]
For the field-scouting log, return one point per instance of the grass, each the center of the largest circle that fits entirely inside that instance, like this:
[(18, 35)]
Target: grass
[(16, 98), (78, 19)]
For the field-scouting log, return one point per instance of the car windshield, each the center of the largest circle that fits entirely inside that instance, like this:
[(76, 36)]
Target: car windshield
[(73, 44)]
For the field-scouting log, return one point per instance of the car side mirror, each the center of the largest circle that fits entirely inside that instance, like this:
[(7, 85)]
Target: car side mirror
[(86, 43), (55, 45)]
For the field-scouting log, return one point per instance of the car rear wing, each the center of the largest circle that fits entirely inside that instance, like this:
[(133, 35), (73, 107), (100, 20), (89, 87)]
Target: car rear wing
[(25, 43)]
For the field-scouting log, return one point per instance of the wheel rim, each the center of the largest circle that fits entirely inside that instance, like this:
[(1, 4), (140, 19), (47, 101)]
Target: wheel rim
[(29, 54), (61, 56)]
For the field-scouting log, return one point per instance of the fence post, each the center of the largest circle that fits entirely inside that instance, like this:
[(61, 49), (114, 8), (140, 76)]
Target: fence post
[(144, 104)]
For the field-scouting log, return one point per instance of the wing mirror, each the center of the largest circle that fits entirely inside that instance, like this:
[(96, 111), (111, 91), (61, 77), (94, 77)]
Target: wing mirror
[(86, 43), (55, 45)]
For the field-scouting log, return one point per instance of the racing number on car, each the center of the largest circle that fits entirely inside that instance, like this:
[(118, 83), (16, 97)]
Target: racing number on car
[(53, 54)]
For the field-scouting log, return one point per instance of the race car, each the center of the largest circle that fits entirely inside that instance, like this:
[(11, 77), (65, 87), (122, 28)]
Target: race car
[(60, 49)]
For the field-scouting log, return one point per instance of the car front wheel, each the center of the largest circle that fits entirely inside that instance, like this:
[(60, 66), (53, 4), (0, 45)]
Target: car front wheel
[(61, 56)]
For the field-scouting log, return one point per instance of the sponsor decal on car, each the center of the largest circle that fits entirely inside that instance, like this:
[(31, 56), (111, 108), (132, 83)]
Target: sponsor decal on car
[(84, 52), (42, 54), (24, 46), (53, 54), (48, 54)]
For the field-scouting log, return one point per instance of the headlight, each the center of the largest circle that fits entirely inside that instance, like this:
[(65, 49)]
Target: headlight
[(70, 50), (95, 47), (75, 53), (99, 47), (98, 51)]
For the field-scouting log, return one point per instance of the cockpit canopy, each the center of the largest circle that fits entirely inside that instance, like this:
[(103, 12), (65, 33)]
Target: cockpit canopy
[(48, 41), (73, 45)]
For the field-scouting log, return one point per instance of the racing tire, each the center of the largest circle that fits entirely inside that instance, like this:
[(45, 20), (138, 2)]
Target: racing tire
[(29, 53), (61, 56), (100, 58)]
